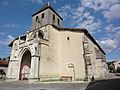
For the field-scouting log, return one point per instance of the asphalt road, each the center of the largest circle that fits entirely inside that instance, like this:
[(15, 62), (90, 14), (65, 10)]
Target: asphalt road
[(42, 86), (110, 84)]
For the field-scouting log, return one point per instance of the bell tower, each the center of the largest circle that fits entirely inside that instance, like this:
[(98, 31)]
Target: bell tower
[(46, 16)]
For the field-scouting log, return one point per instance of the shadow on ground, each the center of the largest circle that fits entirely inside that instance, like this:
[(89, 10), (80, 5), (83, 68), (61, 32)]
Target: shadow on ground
[(109, 84)]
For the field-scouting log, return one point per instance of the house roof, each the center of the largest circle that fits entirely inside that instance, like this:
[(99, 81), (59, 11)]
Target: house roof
[(3, 62), (46, 6), (21, 37)]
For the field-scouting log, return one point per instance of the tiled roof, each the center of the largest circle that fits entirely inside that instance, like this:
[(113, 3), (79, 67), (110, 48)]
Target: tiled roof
[(3, 62)]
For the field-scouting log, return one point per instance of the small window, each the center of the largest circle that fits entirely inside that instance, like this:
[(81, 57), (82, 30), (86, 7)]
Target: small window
[(36, 18), (58, 22), (88, 59), (53, 18), (68, 38), (42, 15), (86, 48), (99, 54)]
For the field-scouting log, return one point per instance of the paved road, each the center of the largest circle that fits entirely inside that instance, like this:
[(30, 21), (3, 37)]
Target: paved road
[(42, 86), (110, 84)]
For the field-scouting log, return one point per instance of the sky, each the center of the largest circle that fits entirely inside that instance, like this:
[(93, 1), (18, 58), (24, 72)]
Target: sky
[(100, 17)]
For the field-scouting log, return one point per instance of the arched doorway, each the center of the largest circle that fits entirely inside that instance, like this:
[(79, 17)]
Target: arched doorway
[(25, 65)]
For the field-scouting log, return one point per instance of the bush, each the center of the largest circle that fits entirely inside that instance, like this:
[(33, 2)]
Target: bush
[(111, 68), (118, 70)]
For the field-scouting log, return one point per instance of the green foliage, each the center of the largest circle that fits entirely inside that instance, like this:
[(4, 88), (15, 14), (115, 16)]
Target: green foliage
[(111, 67), (118, 70)]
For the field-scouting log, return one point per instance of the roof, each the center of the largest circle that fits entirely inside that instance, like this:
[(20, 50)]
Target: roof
[(46, 6), (82, 30), (21, 37), (3, 62)]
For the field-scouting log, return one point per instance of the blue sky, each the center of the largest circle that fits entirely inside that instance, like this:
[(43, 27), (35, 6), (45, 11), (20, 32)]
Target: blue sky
[(100, 17)]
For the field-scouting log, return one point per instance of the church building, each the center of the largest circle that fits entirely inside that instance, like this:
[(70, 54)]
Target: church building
[(49, 51)]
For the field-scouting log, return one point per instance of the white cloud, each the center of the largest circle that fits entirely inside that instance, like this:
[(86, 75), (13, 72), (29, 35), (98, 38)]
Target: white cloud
[(35, 1), (110, 9), (80, 17), (86, 20), (99, 4), (111, 28), (1, 33), (4, 2), (113, 13), (117, 36), (108, 45), (77, 13), (65, 11), (111, 43), (7, 40), (11, 25), (90, 25), (116, 28), (10, 37)]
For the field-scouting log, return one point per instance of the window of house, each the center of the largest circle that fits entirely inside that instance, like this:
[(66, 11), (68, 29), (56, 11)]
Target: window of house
[(53, 18), (99, 54), (103, 57), (68, 38), (86, 48), (40, 35), (88, 60), (58, 22), (42, 15), (36, 18)]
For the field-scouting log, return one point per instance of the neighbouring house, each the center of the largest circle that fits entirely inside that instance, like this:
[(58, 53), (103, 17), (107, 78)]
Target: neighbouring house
[(113, 66), (49, 51), (3, 68)]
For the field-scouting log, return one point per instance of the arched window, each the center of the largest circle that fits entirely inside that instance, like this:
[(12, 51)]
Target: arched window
[(40, 35)]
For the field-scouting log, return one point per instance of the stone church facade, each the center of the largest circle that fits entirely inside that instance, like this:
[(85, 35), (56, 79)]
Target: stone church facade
[(50, 52)]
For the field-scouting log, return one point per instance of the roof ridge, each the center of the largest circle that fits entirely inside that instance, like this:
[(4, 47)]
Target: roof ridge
[(44, 8)]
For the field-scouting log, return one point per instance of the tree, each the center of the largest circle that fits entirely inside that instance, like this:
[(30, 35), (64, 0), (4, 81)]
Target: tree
[(4, 58), (118, 70), (111, 67)]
